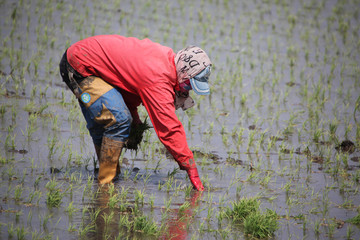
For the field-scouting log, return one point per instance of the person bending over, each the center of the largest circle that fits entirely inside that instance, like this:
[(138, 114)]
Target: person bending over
[(111, 75)]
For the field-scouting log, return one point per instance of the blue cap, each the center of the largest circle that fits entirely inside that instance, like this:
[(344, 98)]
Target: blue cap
[(200, 84)]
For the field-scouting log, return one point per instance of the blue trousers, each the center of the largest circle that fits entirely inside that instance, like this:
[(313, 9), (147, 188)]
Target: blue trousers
[(107, 116), (102, 105)]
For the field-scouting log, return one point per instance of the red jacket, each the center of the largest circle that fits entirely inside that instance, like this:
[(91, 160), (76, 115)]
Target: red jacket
[(145, 73)]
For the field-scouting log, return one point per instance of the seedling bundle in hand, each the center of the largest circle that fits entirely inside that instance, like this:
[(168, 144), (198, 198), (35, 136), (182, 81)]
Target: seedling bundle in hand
[(136, 135)]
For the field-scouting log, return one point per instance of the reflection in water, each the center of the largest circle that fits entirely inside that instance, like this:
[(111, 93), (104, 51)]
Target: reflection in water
[(180, 219), (104, 218)]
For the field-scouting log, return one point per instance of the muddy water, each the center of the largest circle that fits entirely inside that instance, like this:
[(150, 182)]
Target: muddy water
[(284, 89)]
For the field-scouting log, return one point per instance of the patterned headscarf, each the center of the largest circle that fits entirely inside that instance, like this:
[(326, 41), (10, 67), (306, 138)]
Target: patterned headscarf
[(190, 61)]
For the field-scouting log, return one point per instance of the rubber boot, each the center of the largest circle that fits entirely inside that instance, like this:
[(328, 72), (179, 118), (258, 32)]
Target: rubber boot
[(98, 152), (109, 160)]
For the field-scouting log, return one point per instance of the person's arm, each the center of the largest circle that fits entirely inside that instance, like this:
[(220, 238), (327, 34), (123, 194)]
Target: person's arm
[(159, 103), (132, 101)]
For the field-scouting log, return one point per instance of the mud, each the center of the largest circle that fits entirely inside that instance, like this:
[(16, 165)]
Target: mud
[(346, 146)]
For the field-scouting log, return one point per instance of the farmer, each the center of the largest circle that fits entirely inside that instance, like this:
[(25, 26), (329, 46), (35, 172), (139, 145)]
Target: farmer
[(111, 75)]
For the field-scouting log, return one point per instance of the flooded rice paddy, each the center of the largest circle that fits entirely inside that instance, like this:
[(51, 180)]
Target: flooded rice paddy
[(281, 127)]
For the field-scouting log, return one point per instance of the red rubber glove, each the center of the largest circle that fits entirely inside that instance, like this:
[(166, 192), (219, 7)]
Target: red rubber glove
[(194, 178)]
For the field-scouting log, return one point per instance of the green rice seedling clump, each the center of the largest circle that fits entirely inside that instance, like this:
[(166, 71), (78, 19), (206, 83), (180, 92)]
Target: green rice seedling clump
[(355, 220), (261, 225), (144, 225), (140, 224), (242, 209), (256, 223), (54, 196)]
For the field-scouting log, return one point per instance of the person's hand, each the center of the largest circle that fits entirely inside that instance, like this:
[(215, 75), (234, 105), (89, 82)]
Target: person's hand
[(137, 121), (194, 178), (136, 134)]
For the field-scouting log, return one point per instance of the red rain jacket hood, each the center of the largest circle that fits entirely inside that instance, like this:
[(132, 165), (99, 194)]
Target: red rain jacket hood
[(145, 73)]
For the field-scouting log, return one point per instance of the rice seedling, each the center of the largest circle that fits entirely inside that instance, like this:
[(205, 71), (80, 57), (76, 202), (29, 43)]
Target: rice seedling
[(85, 229), (94, 213), (55, 194), (17, 216), (113, 201), (261, 225), (44, 220), (71, 209), (349, 232), (167, 204), (183, 207), (243, 208), (2, 110), (146, 178), (18, 193), (124, 221), (107, 218), (246, 212), (144, 225), (11, 230), (11, 173), (355, 220), (317, 227), (127, 174), (10, 141)]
